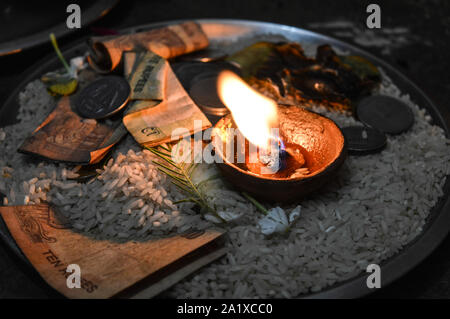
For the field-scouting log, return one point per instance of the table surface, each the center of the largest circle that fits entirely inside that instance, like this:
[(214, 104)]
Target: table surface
[(413, 38)]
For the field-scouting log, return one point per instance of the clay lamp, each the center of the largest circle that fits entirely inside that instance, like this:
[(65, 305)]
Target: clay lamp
[(274, 152)]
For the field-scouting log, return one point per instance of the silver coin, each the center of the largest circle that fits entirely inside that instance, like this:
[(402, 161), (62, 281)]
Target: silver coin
[(103, 97), (364, 140), (204, 93)]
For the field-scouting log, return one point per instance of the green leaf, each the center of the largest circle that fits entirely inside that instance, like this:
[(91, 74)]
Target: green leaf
[(203, 182), (165, 148), (60, 83), (59, 54), (59, 86), (257, 204), (185, 200), (183, 188), (162, 156), (167, 168)]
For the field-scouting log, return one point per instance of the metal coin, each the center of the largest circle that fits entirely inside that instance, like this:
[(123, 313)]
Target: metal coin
[(363, 140), (204, 93), (200, 81), (103, 97), (187, 72), (385, 113)]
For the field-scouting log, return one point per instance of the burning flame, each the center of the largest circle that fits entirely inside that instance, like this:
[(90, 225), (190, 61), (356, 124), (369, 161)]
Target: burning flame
[(254, 114)]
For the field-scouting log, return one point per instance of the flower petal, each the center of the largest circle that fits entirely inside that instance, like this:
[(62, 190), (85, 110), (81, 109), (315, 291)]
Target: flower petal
[(275, 221), (229, 216), (295, 213)]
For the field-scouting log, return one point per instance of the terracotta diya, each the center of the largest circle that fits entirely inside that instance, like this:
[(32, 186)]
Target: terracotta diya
[(301, 157)]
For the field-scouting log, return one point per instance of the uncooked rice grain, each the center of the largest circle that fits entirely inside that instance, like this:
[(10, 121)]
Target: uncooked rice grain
[(369, 212)]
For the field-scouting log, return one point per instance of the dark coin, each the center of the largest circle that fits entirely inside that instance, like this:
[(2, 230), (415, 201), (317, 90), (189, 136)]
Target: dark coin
[(188, 72), (200, 81), (103, 97), (387, 114), (363, 140), (204, 93)]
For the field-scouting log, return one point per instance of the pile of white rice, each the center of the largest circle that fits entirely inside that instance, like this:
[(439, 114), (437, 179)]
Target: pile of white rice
[(376, 205)]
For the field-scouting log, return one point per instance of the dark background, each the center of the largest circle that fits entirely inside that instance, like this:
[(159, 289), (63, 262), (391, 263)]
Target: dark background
[(419, 49)]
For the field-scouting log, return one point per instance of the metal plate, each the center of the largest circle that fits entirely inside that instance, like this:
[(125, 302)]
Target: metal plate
[(38, 20), (438, 223)]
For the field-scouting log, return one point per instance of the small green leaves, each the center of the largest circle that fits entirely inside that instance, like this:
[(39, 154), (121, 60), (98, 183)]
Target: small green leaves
[(59, 83), (62, 82)]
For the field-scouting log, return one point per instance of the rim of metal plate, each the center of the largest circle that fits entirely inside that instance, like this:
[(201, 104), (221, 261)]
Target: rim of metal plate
[(438, 222), (97, 10)]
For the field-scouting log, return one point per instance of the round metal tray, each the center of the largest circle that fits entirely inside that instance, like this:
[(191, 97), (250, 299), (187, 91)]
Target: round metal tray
[(52, 19), (438, 223)]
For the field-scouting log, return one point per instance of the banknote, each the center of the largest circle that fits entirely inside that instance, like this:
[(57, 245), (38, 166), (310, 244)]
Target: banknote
[(65, 136), (129, 62), (159, 105), (147, 76), (106, 268), (168, 42)]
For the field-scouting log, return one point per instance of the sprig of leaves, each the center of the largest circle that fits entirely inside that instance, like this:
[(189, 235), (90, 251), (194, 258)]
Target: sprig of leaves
[(180, 170)]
